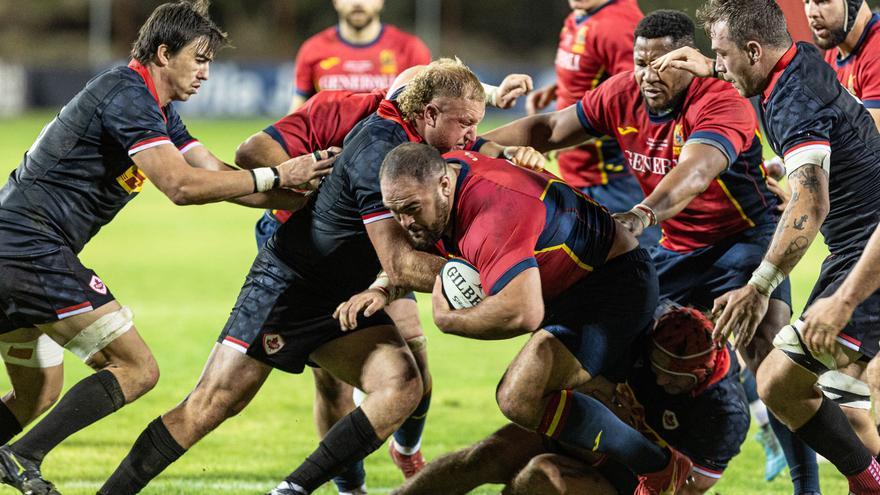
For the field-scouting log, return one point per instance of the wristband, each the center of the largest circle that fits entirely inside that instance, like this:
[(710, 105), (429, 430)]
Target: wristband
[(254, 178), (766, 278), (491, 94), (276, 183), (383, 284), (264, 178), (645, 214)]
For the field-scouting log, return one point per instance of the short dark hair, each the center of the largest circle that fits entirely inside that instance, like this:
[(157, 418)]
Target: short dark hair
[(412, 161), (177, 25), (747, 20), (664, 22)]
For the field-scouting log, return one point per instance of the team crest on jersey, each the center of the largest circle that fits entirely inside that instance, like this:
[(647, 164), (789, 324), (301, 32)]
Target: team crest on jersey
[(329, 63), (670, 420), (387, 62), (580, 40), (677, 140), (132, 180), (98, 286), (272, 343)]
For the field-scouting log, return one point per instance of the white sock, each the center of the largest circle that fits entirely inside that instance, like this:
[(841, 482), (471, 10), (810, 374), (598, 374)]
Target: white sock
[(759, 412), (407, 450), (286, 485)]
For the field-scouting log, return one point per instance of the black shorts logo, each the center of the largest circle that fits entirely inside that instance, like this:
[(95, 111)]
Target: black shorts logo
[(272, 343), (98, 286)]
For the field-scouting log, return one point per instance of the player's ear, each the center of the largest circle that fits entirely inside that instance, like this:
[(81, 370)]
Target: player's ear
[(162, 55), (754, 51), (430, 114)]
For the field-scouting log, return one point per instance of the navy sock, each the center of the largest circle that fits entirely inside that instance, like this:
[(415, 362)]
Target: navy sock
[(352, 478), (800, 457), (749, 384), (831, 435), (410, 432), (9, 425), (584, 422)]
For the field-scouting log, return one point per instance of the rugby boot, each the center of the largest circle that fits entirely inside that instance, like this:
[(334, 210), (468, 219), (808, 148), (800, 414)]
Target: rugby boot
[(669, 480), (409, 464), (774, 457), (285, 488), (23, 474)]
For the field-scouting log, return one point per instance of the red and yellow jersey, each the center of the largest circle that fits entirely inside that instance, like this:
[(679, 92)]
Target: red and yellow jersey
[(859, 72), (593, 47), (507, 219), (326, 61), (711, 113)]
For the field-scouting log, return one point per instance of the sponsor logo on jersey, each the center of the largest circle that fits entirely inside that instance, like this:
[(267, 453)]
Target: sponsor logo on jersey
[(652, 164), (387, 62), (355, 82), (580, 40), (329, 63), (670, 420), (132, 180), (623, 131), (567, 61), (357, 65), (272, 343), (97, 285)]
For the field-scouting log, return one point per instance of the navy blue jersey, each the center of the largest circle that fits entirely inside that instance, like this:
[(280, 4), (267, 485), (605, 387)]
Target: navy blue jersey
[(708, 428), (79, 173), (806, 112)]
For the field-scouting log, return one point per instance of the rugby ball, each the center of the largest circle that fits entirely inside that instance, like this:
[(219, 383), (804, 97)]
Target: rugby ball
[(461, 284)]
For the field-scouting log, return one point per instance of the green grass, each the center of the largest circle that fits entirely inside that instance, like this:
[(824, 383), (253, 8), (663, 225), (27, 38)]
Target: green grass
[(180, 268)]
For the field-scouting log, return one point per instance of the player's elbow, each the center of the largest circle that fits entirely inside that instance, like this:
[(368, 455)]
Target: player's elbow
[(183, 194), (528, 318), (247, 154)]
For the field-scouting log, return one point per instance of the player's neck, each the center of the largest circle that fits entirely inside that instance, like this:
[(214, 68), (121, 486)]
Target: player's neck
[(362, 36), (163, 91), (861, 23)]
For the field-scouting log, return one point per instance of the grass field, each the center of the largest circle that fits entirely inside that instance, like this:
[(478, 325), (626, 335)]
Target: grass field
[(180, 268)]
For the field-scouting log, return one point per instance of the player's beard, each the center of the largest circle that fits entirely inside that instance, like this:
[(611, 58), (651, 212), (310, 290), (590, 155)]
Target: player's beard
[(359, 19), (428, 236), (838, 36)]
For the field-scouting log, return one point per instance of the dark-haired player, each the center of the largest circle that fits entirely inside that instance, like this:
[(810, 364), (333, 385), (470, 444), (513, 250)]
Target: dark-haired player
[(547, 255), (831, 149), (683, 391), (595, 43), (88, 162)]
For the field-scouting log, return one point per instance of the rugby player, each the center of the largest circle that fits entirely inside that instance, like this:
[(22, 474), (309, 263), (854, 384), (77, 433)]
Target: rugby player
[(547, 255), (817, 127), (694, 147), (86, 164), (360, 53), (683, 391), (595, 43), (322, 256)]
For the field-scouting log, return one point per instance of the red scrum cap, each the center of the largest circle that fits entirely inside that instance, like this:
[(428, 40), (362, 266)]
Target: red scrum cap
[(684, 338)]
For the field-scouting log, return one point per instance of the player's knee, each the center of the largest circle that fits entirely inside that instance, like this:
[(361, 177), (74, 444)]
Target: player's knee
[(538, 476), (514, 408), (771, 378), (143, 377)]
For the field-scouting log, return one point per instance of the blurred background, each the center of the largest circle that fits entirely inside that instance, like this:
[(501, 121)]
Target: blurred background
[(50, 48)]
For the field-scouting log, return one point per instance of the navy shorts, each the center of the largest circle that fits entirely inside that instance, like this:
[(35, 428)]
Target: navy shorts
[(599, 317), (619, 195), (280, 319), (44, 289), (697, 277), (862, 333)]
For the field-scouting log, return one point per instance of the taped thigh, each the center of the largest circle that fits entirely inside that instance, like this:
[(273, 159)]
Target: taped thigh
[(789, 341), (845, 390), (101, 333), (43, 352)]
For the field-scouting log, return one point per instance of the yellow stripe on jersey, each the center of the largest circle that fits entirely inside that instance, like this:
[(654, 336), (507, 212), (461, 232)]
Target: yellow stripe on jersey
[(570, 254), (735, 203)]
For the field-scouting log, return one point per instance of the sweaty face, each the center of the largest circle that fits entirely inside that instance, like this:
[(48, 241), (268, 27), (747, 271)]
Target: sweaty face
[(421, 209), (660, 90), (733, 63), (671, 383), (358, 13), (187, 69), (826, 19), (451, 123)]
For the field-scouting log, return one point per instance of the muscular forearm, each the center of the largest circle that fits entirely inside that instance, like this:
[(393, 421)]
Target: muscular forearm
[(801, 219), (415, 270), (675, 192), (544, 132), (492, 319), (278, 199)]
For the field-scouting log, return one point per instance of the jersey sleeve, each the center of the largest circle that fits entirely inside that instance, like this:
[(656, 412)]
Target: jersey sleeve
[(501, 237), (363, 170), (802, 125), (869, 82), (178, 132), (132, 118), (726, 121), (592, 111), (303, 72)]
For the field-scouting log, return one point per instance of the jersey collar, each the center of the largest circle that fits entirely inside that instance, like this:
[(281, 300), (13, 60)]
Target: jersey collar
[(388, 110), (778, 69), (360, 45), (840, 62), (578, 19), (141, 69)]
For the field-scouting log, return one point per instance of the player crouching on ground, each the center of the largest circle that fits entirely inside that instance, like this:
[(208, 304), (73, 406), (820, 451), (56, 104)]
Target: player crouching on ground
[(683, 390), (542, 248)]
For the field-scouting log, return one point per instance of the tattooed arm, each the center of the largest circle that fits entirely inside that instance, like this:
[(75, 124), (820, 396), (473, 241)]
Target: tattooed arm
[(740, 311)]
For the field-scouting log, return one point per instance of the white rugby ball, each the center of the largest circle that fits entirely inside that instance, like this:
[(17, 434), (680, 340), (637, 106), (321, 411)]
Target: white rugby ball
[(461, 284)]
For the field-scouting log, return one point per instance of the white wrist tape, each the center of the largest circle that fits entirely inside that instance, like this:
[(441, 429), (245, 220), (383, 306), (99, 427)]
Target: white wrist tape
[(264, 178), (383, 283), (645, 214), (491, 94), (766, 278)]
